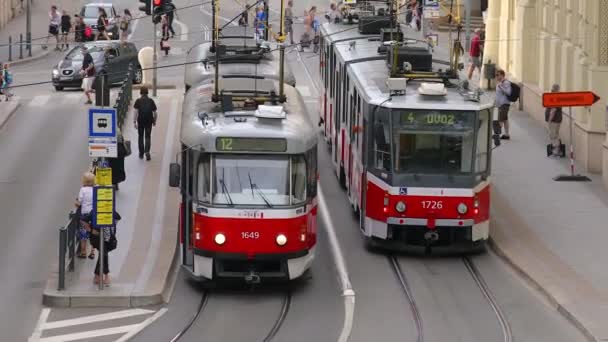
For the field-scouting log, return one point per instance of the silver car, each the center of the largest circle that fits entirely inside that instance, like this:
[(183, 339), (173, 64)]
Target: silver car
[(90, 13)]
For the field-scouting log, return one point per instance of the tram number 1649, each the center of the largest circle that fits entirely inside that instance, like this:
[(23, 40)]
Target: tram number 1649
[(432, 204), (250, 235)]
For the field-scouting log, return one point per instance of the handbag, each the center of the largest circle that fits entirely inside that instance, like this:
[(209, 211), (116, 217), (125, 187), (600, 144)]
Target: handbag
[(112, 243), (127, 145)]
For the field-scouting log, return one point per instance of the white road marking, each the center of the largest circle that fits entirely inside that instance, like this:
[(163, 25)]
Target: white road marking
[(207, 33), (142, 325), (85, 335), (39, 100), (44, 315), (304, 90), (204, 11), (347, 290), (133, 27), (183, 30), (72, 98), (160, 200), (95, 318)]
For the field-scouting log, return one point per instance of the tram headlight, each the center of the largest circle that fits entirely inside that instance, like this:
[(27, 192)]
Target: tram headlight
[(281, 240), (220, 238), (400, 206), (462, 208)]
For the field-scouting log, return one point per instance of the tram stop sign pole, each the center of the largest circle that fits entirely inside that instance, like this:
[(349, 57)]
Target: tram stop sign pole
[(570, 99)]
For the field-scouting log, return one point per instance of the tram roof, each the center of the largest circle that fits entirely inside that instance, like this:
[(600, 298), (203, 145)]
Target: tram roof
[(371, 76), (337, 32), (296, 127), (268, 66)]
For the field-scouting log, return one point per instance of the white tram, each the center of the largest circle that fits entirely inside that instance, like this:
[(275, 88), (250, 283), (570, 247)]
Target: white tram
[(411, 149), (248, 182), (240, 54)]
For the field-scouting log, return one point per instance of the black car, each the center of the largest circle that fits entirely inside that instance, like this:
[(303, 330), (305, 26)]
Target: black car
[(109, 57)]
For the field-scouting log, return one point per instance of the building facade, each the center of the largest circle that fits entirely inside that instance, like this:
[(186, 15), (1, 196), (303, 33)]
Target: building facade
[(541, 42), (9, 9)]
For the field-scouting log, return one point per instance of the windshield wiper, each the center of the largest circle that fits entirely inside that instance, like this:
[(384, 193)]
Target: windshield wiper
[(254, 186), (225, 189)]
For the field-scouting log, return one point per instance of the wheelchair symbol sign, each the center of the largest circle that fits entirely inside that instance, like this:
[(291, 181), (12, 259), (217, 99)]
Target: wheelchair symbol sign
[(402, 191)]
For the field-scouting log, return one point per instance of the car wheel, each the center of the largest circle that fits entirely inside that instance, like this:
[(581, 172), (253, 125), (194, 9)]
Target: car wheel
[(58, 88), (138, 76)]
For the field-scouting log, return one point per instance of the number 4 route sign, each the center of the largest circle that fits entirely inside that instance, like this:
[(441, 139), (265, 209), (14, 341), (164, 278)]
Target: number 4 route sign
[(102, 133)]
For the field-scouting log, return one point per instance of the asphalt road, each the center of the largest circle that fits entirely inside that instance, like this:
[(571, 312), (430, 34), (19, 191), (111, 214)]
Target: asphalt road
[(43, 153)]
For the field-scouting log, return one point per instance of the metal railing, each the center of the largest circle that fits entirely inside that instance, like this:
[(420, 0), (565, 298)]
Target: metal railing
[(124, 98), (18, 45), (68, 245)]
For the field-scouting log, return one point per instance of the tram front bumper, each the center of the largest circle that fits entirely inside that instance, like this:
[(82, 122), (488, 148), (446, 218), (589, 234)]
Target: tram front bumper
[(289, 266)]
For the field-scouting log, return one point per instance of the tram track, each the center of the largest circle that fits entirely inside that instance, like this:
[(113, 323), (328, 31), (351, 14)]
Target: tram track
[(483, 287), (409, 295), (285, 306)]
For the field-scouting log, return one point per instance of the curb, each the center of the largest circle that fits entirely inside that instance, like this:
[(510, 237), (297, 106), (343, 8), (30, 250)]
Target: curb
[(5, 116), (29, 59), (126, 297), (563, 311)]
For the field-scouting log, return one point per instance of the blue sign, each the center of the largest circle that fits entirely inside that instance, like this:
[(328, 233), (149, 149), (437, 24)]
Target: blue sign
[(102, 123), (402, 191), (431, 3)]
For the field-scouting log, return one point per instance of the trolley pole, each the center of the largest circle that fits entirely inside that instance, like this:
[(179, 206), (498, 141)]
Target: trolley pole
[(467, 35), (28, 27), (281, 52), (154, 64), (216, 35)]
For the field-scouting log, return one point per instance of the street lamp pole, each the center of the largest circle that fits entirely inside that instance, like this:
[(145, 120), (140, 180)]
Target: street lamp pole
[(467, 36)]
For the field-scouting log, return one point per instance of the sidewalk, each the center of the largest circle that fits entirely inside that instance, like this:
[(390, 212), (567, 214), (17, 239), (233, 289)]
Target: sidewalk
[(40, 26), (7, 109), (554, 233), (142, 266)]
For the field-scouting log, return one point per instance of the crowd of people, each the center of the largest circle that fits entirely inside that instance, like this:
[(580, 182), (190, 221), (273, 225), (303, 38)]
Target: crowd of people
[(61, 26)]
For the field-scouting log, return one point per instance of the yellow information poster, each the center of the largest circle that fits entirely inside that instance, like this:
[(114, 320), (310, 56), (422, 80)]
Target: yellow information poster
[(104, 206), (103, 176)]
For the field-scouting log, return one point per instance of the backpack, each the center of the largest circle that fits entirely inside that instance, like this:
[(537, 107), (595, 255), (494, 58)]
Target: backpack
[(515, 90)]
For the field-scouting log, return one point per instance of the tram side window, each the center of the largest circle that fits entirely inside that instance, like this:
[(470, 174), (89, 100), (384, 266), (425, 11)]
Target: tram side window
[(483, 142), (311, 159), (345, 92), (381, 156), (298, 179), (203, 179), (333, 75), (358, 116)]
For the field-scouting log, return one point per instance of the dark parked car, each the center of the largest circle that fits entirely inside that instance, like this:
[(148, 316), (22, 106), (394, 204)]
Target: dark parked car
[(109, 57)]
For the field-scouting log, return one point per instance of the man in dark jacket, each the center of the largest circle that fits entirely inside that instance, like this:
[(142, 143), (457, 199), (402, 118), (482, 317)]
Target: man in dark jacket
[(170, 12), (553, 117), (144, 118)]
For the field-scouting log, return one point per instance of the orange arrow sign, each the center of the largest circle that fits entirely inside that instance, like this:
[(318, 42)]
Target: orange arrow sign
[(569, 99)]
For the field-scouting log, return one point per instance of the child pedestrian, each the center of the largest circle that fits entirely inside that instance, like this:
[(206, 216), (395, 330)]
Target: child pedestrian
[(85, 203), (6, 80)]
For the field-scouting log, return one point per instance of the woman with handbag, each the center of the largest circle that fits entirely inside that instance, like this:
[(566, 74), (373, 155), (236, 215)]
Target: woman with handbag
[(110, 243), (118, 164)]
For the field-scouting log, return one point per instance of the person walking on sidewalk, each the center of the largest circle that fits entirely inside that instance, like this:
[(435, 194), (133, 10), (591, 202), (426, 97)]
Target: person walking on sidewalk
[(502, 102), (475, 54), (66, 26), (54, 22), (553, 117), (125, 24), (171, 13), (118, 164), (289, 20), (88, 73), (144, 119), (6, 80), (102, 24)]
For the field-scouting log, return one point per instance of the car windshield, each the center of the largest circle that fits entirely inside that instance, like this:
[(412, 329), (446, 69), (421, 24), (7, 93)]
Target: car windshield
[(254, 180), (93, 11), (76, 54)]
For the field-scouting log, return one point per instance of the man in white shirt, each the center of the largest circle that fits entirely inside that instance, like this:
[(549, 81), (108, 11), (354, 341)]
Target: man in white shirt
[(54, 22)]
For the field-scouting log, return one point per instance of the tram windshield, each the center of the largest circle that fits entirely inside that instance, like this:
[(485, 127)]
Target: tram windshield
[(430, 142), (252, 180)]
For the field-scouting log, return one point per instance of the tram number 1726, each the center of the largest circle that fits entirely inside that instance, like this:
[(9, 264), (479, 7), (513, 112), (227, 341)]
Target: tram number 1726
[(432, 204)]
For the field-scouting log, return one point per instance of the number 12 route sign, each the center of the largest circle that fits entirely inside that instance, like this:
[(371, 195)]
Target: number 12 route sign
[(569, 99)]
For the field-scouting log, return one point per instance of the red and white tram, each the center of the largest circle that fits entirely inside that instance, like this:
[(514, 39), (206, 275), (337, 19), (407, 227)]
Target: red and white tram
[(412, 150), (248, 182)]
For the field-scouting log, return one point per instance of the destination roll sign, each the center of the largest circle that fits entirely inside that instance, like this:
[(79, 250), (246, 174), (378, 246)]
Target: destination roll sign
[(233, 144), (437, 119)]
